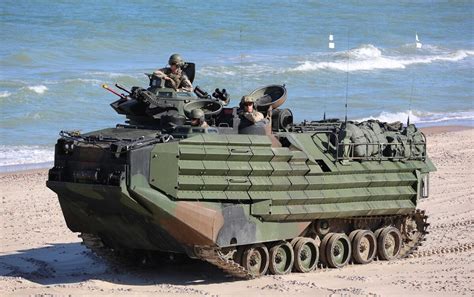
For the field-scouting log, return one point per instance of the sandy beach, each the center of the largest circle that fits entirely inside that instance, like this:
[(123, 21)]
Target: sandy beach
[(40, 256)]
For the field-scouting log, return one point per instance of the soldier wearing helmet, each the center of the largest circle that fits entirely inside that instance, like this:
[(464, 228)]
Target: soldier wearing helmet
[(250, 113), (174, 75), (197, 118)]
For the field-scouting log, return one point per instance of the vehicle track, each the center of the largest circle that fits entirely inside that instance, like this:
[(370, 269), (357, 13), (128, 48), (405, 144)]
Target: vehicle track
[(216, 257)]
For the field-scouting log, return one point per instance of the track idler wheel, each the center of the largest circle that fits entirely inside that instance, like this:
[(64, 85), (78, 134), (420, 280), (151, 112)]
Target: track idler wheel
[(255, 259), (306, 254), (364, 246), (281, 258), (389, 243), (338, 250)]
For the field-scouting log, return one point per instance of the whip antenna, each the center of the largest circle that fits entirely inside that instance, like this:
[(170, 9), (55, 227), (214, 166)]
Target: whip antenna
[(347, 90), (331, 45), (241, 60), (411, 98), (347, 77)]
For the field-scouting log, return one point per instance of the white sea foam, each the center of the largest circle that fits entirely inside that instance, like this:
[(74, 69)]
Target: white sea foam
[(113, 74), (39, 89), (73, 80), (216, 71), (84, 80), (252, 70), (365, 51), (422, 117), (4, 94), (369, 57), (24, 154)]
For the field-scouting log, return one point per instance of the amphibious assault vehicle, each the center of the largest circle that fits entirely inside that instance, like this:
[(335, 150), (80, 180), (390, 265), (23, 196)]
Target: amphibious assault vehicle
[(273, 197)]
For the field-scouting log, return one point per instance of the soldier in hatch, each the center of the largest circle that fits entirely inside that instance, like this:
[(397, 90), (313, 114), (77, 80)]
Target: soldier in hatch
[(174, 75), (249, 112), (197, 118)]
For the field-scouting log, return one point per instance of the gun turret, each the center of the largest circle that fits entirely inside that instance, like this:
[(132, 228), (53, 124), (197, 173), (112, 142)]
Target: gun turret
[(158, 106)]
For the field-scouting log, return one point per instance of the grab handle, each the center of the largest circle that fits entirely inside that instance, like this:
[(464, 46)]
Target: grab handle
[(239, 151), (238, 180)]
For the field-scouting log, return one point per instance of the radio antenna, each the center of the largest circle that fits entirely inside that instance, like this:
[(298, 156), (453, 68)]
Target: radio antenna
[(347, 91), (347, 77), (411, 98), (331, 45), (241, 60)]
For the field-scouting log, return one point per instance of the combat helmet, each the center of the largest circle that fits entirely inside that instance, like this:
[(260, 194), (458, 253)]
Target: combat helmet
[(197, 114), (247, 99), (176, 59)]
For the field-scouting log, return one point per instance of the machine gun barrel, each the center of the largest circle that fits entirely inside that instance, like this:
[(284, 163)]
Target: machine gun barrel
[(113, 92), (123, 88)]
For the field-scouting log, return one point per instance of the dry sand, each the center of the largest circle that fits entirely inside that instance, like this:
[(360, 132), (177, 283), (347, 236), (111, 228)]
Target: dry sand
[(40, 256)]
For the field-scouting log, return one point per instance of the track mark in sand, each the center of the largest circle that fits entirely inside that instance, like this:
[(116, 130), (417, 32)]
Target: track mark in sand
[(449, 284), (174, 289), (452, 216), (460, 248), (281, 284), (451, 225), (43, 270)]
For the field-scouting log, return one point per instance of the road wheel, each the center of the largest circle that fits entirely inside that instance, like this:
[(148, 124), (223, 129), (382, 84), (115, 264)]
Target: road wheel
[(281, 258), (306, 255), (389, 243), (255, 259), (322, 248), (353, 234), (338, 250), (364, 247)]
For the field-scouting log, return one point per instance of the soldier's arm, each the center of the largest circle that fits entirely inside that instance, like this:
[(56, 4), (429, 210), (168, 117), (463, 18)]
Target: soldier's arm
[(161, 73), (258, 116), (253, 116), (186, 85)]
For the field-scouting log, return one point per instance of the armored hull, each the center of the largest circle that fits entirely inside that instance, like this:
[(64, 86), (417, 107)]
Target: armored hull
[(250, 203)]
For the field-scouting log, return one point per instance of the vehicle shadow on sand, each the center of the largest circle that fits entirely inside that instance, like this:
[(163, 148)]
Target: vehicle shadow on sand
[(71, 263)]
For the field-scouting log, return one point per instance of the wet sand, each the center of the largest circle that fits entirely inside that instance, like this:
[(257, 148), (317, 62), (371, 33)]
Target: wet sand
[(39, 255)]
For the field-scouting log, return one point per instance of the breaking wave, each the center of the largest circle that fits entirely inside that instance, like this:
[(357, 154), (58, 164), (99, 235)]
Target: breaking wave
[(39, 89), (4, 94), (24, 154), (368, 57), (423, 117)]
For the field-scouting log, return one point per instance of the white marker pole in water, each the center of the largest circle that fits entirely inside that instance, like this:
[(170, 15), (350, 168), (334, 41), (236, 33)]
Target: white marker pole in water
[(331, 41), (418, 43)]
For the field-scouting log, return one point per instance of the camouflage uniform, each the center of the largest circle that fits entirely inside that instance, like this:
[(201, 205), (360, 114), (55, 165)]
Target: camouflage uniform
[(254, 116), (180, 79)]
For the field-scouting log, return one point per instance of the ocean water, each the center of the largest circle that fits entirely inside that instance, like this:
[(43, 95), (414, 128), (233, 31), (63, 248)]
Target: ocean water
[(54, 56)]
